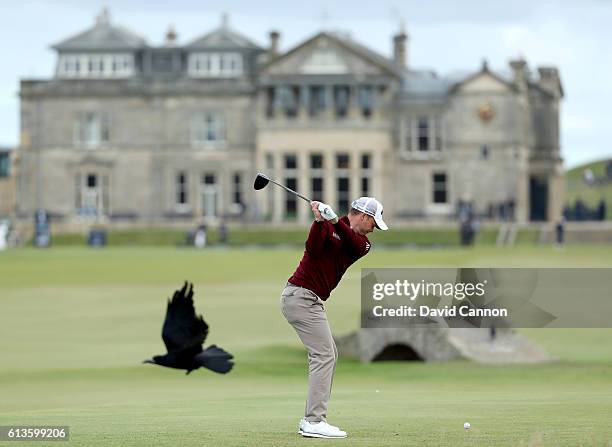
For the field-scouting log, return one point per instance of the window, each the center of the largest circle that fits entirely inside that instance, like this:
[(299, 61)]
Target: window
[(91, 129), (439, 188), (290, 199), (365, 98), (365, 161), (69, 66), (182, 189), (365, 186), (105, 65), (366, 164), (342, 161), (423, 135), (237, 192), (5, 164), (219, 65), (343, 194), (209, 129), (316, 161), (316, 100), (289, 99), (317, 188), (290, 162), (341, 101)]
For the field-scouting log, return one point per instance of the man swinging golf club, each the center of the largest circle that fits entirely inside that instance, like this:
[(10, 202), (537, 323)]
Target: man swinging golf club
[(333, 244)]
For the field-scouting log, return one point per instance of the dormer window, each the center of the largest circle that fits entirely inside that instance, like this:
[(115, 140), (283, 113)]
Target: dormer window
[(215, 65), (101, 65)]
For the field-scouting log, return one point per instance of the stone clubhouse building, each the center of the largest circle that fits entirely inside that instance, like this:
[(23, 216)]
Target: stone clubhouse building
[(127, 133)]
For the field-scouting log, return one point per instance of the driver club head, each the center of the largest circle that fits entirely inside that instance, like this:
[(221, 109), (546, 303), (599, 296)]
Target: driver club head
[(260, 181)]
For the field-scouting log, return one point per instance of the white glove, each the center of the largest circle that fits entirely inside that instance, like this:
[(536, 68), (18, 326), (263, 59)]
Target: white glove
[(327, 212)]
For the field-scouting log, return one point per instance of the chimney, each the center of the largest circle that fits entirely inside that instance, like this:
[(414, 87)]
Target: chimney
[(274, 41), (171, 36), (485, 65), (399, 48), (103, 18), (519, 68), (550, 81)]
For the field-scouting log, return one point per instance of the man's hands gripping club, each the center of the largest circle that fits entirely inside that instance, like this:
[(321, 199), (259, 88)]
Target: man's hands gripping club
[(322, 211)]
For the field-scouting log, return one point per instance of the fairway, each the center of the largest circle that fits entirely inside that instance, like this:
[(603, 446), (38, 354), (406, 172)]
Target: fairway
[(76, 323)]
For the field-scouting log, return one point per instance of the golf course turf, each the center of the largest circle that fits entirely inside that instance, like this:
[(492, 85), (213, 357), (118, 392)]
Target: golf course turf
[(76, 323)]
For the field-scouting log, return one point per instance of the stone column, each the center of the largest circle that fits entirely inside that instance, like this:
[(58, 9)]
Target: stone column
[(330, 111), (303, 99), (355, 175), (354, 112), (556, 194), (303, 209), (378, 100), (330, 191), (279, 202), (522, 195)]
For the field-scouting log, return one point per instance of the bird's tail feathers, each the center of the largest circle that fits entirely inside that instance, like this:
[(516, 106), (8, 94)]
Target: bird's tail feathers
[(216, 359)]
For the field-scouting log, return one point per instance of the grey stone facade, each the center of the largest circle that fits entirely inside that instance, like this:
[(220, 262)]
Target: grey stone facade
[(127, 133)]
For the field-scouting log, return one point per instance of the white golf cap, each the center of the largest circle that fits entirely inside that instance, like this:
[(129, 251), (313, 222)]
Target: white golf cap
[(371, 207)]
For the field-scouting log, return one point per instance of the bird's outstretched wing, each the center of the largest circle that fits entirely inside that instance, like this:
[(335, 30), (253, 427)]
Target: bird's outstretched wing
[(182, 328)]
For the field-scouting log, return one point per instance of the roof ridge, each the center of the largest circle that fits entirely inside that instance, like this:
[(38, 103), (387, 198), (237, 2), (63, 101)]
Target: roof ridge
[(103, 34), (235, 37)]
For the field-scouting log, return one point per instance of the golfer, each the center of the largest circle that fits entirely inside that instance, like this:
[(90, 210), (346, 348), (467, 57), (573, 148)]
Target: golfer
[(333, 244)]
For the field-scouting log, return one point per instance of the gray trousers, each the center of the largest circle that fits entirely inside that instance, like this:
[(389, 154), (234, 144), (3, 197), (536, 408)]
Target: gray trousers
[(304, 310)]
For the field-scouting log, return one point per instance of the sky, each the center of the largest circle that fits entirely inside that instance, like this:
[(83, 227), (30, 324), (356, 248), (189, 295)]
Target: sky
[(444, 35)]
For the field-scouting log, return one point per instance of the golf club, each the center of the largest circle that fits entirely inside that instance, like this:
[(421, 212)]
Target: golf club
[(262, 180)]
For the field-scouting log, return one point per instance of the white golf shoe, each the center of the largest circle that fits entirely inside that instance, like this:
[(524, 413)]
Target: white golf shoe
[(304, 420), (319, 430)]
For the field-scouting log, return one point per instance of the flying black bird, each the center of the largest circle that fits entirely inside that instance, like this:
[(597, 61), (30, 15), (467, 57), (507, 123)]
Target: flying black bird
[(183, 334)]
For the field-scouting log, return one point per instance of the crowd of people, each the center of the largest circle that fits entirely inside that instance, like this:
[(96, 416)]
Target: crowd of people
[(580, 211)]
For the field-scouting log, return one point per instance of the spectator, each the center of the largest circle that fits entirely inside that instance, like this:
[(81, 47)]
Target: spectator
[(560, 232), (580, 210), (466, 224), (511, 205), (501, 211), (567, 212), (223, 232), (199, 240), (601, 210)]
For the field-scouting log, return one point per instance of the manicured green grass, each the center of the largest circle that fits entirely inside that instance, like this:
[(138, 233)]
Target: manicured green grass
[(76, 323)]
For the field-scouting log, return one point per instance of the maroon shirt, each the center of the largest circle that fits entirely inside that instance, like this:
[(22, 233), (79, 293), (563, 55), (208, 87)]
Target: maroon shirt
[(330, 250)]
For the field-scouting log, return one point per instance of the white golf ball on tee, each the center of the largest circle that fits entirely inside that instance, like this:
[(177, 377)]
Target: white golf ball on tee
[(467, 425)]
